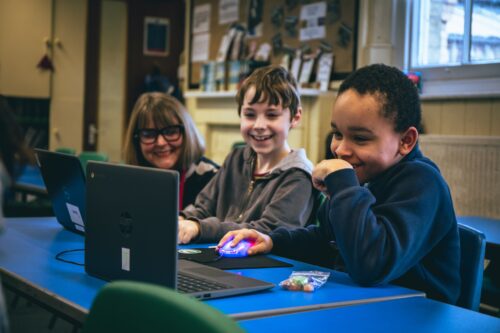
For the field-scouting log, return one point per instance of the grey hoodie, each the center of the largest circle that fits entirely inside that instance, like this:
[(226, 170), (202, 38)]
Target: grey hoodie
[(234, 200)]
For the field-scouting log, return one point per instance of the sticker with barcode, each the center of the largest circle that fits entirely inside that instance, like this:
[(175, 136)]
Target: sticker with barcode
[(126, 259), (74, 214)]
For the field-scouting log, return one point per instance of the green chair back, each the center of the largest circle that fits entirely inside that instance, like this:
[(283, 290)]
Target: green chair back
[(66, 150), (238, 144), (86, 156), (319, 200), (129, 306)]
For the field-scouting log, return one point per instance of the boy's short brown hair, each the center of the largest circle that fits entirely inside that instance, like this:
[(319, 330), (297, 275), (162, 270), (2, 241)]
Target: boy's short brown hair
[(273, 84)]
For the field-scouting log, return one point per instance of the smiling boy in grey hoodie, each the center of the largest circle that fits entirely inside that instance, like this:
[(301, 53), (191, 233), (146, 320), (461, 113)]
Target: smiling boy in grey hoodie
[(265, 184)]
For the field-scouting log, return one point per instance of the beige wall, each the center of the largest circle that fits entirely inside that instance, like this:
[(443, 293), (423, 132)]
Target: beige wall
[(216, 117), (66, 105), (25, 26), (112, 78), (218, 122), (462, 116)]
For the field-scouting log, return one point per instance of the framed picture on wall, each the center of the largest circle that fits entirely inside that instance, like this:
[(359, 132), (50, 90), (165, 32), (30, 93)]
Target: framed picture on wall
[(156, 36)]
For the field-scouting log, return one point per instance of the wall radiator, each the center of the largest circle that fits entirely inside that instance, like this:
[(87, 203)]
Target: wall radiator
[(471, 166)]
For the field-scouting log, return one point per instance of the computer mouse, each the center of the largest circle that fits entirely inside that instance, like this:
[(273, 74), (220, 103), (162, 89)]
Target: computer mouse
[(240, 250)]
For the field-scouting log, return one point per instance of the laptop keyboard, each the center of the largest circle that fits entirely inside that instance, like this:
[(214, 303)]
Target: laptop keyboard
[(187, 284)]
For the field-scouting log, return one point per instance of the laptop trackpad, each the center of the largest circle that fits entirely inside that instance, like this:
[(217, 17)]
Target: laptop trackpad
[(201, 270), (207, 272)]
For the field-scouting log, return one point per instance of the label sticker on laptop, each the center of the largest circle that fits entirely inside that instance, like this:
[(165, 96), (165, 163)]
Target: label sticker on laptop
[(74, 214), (126, 259), (189, 251)]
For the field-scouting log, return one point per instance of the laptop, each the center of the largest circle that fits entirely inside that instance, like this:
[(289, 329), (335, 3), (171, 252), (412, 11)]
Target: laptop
[(131, 233), (65, 183)]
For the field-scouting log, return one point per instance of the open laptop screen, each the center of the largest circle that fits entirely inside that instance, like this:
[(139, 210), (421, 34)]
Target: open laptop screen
[(65, 182), (131, 233)]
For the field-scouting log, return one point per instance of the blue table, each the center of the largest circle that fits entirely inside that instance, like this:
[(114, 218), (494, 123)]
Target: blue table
[(489, 227), (408, 315), (28, 264)]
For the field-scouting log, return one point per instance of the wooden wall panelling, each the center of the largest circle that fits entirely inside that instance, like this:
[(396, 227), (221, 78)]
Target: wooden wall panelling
[(431, 117), (453, 118), (495, 117), (477, 116), (217, 120)]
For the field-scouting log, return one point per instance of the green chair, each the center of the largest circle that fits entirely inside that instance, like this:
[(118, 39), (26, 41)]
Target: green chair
[(238, 144), (66, 150), (86, 156), (128, 306), (319, 200)]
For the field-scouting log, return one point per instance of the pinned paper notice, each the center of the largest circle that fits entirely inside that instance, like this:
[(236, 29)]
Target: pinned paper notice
[(325, 65), (313, 11), (313, 15), (201, 18), (229, 11), (200, 49)]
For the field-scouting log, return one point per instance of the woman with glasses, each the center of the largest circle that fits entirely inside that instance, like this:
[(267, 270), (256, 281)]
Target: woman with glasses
[(162, 134)]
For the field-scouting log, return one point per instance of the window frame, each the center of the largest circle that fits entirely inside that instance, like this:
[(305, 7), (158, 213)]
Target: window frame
[(461, 80)]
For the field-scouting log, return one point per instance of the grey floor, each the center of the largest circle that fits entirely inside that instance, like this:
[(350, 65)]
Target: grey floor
[(26, 317)]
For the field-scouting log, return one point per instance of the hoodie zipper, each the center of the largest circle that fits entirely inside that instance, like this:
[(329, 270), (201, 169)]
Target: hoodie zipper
[(247, 198), (248, 193)]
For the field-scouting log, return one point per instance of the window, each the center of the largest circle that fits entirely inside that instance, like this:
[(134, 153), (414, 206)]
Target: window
[(455, 43)]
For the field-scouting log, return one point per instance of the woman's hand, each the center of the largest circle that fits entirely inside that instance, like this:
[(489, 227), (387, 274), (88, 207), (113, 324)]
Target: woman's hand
[(262, 243)]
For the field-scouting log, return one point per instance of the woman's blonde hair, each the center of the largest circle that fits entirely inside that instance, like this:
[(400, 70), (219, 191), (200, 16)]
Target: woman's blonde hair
[(162, 110)]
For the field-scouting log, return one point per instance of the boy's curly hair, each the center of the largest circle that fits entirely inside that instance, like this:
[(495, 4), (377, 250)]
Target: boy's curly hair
[(273, 84), (396, 93)]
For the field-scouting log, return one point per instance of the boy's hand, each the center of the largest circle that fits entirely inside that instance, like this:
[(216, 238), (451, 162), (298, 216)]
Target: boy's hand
[(263, 243), (324, 168), (188, 230)]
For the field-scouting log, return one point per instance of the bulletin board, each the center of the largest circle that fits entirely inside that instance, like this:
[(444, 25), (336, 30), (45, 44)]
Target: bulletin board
[(340, 31)]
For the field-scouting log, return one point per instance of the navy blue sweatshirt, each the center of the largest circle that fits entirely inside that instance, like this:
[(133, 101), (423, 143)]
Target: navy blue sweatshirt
[(399, 228)]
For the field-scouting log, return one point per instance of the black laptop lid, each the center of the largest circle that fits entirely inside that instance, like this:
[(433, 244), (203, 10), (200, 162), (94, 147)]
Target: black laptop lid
[(65, 182), (131, 227)]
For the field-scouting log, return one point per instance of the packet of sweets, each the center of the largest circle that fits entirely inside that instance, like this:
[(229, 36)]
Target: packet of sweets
[(305, 280)]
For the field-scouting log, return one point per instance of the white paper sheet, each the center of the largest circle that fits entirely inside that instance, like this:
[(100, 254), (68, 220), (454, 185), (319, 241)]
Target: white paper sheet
[(229, 11), (200, 47), (201, 18)]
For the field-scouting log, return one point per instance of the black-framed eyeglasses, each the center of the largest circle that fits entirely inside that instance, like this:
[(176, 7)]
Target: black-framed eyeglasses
[(150, 135)]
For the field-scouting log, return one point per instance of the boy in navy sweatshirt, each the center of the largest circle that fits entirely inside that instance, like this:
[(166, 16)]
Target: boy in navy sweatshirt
[(389, 217)]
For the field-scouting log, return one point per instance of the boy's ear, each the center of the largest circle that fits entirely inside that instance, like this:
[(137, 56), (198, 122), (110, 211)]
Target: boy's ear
[(296, 118), (408, 140)]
